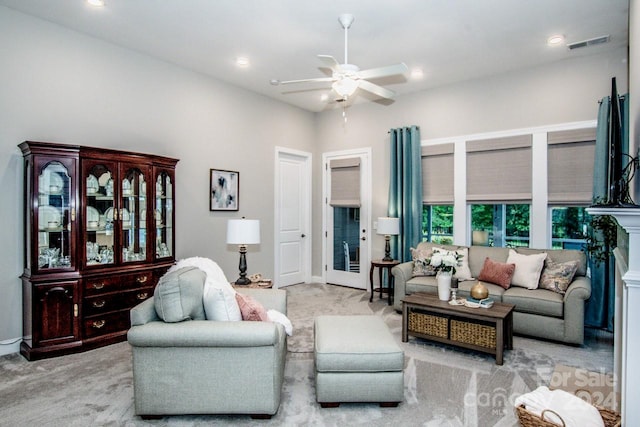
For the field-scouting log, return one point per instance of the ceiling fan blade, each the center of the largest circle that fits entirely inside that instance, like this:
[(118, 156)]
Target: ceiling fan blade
[(317, 80), (375, 89), (389, 70), (330, 62)]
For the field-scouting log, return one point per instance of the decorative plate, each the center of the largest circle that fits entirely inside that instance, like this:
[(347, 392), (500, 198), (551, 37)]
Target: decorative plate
[(48, 214), (92, 215), (92, 184)]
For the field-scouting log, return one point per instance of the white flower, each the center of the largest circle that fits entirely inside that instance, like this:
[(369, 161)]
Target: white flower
[(436, 260), (449, 260)]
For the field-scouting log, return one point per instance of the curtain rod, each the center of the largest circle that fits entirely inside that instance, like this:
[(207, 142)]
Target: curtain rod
[(417, 127)]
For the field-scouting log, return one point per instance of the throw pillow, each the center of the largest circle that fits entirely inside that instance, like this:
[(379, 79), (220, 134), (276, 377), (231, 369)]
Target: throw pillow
[(178, 295), (250, 308), (219, 301), (528, 268), (496, 272), (421, 266), (557, 276)]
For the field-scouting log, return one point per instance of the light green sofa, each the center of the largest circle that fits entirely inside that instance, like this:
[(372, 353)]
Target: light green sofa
[(208, 367), (539, 312)]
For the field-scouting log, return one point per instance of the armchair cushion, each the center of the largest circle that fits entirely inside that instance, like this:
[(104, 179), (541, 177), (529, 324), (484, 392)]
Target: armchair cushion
[(178, 295)]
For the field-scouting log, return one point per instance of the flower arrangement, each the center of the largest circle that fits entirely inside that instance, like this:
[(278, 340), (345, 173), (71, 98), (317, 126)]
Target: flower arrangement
[(445, 261)]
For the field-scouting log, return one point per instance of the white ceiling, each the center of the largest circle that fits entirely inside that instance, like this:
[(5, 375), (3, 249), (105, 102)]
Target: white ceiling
[(450, 40)]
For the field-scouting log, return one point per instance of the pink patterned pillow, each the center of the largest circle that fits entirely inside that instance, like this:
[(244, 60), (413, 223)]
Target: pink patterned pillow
[(251, 309), (496, 272)]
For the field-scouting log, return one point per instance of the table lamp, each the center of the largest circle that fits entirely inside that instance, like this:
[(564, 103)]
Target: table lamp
[(243, 232), (388, 227)]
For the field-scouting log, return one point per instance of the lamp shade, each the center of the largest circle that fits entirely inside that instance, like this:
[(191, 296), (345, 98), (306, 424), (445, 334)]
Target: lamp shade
[(243, 232), (388, 226)]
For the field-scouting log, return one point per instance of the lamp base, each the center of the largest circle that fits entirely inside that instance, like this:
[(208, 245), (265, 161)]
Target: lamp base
[(242, 281), (387, 249)]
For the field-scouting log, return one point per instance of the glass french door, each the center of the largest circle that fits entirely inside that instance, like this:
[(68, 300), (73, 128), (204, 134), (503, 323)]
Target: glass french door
[(347, 242)]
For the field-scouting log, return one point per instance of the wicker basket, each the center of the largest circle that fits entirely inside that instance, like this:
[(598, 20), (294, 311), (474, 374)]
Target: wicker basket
[(529, 419), (427, 324), (473, 333)]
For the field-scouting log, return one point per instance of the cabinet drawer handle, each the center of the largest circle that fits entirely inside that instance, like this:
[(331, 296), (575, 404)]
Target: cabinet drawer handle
[(142, 295), (142, 279), (98, 285), (98, 323), (99, 304)]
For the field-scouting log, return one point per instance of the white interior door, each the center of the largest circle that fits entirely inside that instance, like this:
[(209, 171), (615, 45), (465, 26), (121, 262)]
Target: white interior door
[(346, 218), (292, 217)]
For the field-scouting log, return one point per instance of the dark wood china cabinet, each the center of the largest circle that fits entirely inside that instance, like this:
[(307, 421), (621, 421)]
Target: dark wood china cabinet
[(99, 234)]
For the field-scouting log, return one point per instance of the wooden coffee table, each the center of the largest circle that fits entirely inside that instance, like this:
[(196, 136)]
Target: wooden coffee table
[(488, 330)]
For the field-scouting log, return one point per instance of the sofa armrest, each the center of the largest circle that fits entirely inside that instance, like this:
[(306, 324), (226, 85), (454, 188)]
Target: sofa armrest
[(205, 333), (144, 312), (271, 299), (580, 288), (401, 273)]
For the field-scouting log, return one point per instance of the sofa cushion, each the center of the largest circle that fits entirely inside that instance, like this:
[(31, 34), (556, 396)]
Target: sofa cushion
[(250, 308), (562, 256), (536, 301), (219, 301), (178, 295), (495, 291), (528, 268), (557, 276), (477, 255), (421, 284), (496, 272)]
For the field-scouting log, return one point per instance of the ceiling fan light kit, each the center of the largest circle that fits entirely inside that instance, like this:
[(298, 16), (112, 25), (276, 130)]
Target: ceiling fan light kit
[(347, 78)]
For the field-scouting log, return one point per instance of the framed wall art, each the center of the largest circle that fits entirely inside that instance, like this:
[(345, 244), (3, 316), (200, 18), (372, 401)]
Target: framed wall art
[(224, 190)]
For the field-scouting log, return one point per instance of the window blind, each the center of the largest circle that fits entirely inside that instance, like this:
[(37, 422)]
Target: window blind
[(499, 169), (437, 174), (570, 160), (345, 182)]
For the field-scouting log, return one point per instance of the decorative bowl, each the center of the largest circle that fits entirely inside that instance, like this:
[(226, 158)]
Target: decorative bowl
[(479, 291)]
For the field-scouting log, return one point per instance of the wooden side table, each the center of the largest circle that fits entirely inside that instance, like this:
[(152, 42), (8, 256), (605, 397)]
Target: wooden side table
[(383, 265), (262, 284)]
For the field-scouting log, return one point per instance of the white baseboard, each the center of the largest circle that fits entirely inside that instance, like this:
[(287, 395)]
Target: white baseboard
[(10, 346), (317, 279)]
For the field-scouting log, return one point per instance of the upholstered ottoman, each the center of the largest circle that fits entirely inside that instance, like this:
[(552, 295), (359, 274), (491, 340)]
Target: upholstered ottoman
[(357, 360)]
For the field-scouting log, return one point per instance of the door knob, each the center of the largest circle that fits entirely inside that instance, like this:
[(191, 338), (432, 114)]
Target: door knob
[(303, 235)]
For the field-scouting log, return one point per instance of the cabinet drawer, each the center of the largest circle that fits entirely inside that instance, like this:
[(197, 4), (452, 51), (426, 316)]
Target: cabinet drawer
[(115, 301), (105, 324), (105, 284)]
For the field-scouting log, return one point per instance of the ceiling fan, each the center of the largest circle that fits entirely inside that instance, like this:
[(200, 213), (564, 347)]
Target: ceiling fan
[(347, 78)]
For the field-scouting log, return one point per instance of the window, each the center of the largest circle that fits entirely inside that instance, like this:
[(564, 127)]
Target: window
[(437, 224), (500, 225), (569, 227)]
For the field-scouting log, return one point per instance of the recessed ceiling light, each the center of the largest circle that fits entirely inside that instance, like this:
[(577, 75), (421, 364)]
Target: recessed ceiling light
[(417, 73), (242, 61), (555, 40), (96, 3)]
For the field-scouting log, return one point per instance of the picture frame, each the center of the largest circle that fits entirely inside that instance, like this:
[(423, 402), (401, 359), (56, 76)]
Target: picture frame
[(224, 190)]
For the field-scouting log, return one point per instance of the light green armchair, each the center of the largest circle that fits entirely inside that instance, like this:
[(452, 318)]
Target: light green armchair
[(208, 367)]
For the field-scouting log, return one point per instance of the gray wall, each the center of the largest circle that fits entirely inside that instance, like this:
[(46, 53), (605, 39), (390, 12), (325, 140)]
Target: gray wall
[(59, 85), (563, 92)]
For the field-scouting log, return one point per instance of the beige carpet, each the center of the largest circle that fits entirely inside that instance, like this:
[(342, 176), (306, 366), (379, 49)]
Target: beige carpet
[(444, 386)]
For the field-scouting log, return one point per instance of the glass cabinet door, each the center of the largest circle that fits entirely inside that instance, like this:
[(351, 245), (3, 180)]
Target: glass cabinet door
[(163, 214), (54, 217), (133, 214), (99, 213)]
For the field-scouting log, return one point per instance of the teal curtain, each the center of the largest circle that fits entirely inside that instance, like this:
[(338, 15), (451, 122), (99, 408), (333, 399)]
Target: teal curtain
[(405, 189), (599, 309)]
